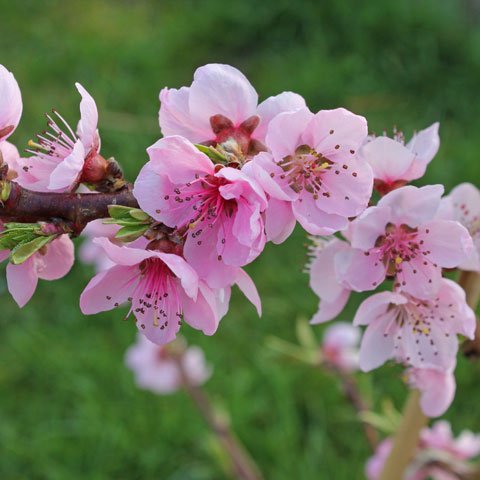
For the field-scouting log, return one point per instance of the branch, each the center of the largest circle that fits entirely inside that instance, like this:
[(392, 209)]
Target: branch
[(77, 209)]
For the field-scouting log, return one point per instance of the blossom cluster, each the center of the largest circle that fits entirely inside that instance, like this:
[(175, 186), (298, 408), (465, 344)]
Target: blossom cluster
[(231, 174), (439, 455)]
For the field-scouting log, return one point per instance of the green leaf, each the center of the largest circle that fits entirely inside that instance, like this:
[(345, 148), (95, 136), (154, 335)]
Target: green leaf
[(138, 214), (25, 250), (119, 212), (131, 233)]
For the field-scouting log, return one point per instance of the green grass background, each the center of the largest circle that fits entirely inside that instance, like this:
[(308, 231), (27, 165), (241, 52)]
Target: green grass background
[(68, 407)]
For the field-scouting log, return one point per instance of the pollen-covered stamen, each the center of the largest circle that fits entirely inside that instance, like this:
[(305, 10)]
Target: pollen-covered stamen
[(236, 140), (207, 205), (304, 171), (399, 244), (156, 292), (57, 144)]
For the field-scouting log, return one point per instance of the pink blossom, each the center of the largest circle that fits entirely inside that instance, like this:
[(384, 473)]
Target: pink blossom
[(439, 455), (400, 238), (440, 437), (421, 333), (220, 107), (162, 289), (63, 158), (333, 295), (156, 369), (395, 163), (217, 210), (463, 205), (52, 262), (437, 388), (340, 346), (10, 103), (312, 165)]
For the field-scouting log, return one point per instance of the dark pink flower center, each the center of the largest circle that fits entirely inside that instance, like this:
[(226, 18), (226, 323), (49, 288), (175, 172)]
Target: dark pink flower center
[(399, 244), (236, 140)]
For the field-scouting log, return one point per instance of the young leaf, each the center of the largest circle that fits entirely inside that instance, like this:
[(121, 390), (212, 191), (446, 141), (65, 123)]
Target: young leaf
[(131, 233), (25, 250)]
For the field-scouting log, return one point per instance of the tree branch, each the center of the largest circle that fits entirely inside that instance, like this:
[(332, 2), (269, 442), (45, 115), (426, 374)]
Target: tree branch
[(76, 209)]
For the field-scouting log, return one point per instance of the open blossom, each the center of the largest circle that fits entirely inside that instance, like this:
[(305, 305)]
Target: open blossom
[(340, 346), (312, 165), (463, 205), (395, 163), (217, 209), (162, 289), (51, 262), (156, 369), (333, 295), (63, 158), (402, 239), (439, 455), (422, 333), (437, 388), (10, 103), (220, 107)]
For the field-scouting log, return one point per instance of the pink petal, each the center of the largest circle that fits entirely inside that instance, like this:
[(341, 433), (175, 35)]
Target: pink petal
[(178, 159), (419, 278), (449, 243), (359, 271), (389, 159), (221, 89), (377, 305), (248, 288), (313, 219), (272, 106), (10, 103), (323, 279), (437, 389), (22, 281), (339, 127), (349, 191), (202, 314), (201, 254), (368, 227), (279, 221), (58, 259), (285, 131), (108, 289), (404, 203), (329, 310), (268, 174), (376, 347), (66, 174), (87, 127), (175, 117), (187, 275), (10, 155), (123, 255), (424, 145)]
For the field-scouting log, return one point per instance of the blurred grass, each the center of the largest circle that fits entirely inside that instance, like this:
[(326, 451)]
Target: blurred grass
[(68, 407)]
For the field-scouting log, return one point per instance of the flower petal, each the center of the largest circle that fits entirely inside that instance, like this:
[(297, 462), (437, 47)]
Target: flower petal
[(22, 281)]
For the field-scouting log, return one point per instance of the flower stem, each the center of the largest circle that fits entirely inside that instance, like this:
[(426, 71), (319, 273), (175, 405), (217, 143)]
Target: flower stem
[(406, 439), (243, 466)]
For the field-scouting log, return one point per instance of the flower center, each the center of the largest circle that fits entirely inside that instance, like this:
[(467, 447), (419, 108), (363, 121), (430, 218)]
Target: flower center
[(235, 142), (304, 170), (156, 289), (398, 245)]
